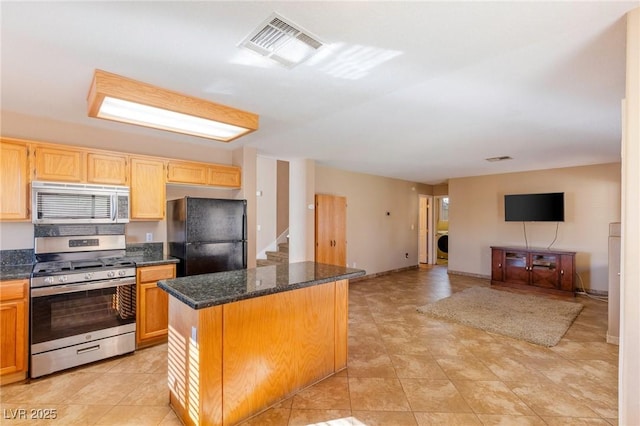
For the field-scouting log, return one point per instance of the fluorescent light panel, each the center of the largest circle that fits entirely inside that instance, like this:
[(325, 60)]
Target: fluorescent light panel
[(117, 98), (158, 118)]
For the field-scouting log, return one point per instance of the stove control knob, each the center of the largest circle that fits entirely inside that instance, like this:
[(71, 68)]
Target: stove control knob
[(48, 280), (111, 274), (122, 272), (62, 278), (88, 275)]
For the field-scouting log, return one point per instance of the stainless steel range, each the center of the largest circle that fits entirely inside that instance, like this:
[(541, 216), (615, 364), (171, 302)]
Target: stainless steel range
[(83, 296)]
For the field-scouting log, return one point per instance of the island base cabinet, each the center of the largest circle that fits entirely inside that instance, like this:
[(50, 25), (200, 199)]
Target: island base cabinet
[(229, 362)]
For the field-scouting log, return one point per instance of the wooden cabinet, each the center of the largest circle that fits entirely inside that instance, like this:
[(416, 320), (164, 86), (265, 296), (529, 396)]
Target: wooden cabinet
[(14, 181), (187, 172), (331, 229), (59, 164), (13, 332), (148, 196), (22, 161), (227, 176), (194, 173), (152, 304), (105, 168), (540, 269)]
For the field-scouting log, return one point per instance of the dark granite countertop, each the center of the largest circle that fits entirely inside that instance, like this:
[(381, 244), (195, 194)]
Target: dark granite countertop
[(15, 272), (148, 254), (202, 291), (16, 264), (149, 260)]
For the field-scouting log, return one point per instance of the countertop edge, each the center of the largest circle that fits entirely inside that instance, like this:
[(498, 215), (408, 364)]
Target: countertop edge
[(235, 298)]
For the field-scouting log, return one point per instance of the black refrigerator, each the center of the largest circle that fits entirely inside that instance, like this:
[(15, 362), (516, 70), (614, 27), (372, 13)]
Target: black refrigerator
[(207, 234)]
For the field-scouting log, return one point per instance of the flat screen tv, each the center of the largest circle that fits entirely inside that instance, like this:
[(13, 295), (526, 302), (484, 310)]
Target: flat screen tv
[(534, 207)]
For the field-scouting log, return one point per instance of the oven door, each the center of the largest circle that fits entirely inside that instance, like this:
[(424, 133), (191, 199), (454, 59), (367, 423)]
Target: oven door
[(66, 315)]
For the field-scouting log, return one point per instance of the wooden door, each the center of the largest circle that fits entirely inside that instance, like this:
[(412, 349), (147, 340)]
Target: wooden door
[(152, 304), (14, 181), (516, 267), (147, 189), (56, 164), (186, 172), (545, 270), (225, 176), (13, 333), (497, 264), (106, 168), (567, 272), (331, 227)]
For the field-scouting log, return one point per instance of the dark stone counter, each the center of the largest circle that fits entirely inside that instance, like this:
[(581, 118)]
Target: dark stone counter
[(16, 264), (15, 272), (202, 291), (148, 254)]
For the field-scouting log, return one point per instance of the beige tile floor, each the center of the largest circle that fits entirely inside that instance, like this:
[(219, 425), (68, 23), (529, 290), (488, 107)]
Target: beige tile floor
[(404, 369)]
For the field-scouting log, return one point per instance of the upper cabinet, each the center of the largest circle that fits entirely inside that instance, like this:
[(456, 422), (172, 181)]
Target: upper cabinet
[(58, 164), (227, 176), (190, 172), (148, 196), (14, 181), (22, 161), (186, 172), (107, 168)]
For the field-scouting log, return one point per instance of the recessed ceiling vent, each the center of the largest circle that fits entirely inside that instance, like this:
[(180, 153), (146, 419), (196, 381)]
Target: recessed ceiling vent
[(502, 158), (284, 42)]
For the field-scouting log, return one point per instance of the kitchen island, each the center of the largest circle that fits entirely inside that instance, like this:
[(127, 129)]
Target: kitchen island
[(241, 341)]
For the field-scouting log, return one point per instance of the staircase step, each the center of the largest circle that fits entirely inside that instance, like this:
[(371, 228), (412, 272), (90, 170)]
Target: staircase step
[(283, 247), (277, 256), (266, 262)]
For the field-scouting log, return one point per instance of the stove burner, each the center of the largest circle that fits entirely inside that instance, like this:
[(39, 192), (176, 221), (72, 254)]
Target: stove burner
[(78, 265)]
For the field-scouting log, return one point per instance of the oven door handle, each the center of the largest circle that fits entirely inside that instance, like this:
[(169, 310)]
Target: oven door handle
[(72, 288)]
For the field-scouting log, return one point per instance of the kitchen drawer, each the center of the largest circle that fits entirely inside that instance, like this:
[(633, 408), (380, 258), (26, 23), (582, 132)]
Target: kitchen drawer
[(12, 290), (155, 273)]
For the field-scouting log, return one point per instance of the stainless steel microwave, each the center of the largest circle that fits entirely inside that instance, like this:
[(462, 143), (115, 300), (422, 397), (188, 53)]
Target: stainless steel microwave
[(74, 203)]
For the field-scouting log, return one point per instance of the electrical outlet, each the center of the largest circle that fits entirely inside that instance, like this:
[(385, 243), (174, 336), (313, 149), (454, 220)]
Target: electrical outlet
[(149, 237), (354, 264)]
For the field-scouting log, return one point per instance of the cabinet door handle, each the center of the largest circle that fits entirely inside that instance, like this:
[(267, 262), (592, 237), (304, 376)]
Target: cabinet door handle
[(499, 265), (561, 271)]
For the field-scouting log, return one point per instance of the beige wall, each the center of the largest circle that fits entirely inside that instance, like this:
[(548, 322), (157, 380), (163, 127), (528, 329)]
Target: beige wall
[(592, 201), (266, 172), (629, 368), (376, 242)]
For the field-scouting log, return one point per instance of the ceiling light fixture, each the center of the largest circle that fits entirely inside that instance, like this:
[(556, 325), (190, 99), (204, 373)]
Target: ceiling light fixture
[(117, 98), (282, 41)]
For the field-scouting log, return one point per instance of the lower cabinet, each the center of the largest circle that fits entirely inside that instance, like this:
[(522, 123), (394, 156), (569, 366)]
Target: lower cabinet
[(551, 270), (152, 304), (14, 310)]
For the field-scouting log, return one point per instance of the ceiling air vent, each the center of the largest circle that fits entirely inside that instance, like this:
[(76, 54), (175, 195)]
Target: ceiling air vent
[(501, 158), (284, 42)]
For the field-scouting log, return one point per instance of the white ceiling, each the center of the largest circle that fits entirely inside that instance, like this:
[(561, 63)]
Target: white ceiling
[(421, 91)]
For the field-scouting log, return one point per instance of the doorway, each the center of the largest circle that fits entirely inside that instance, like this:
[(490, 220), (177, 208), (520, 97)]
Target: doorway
[(425, 223), (441, 234)]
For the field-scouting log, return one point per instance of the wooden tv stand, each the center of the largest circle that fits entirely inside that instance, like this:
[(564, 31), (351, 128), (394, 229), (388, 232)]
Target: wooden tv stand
[(533, 269)]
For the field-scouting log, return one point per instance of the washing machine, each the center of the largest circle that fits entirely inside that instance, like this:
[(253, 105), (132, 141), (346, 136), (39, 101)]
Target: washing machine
[(442, 242)]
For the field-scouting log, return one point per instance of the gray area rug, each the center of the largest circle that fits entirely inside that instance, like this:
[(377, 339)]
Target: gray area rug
[(535, 319)]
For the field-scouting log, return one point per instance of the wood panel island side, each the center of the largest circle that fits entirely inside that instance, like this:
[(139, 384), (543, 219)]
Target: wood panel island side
[(241, 341)]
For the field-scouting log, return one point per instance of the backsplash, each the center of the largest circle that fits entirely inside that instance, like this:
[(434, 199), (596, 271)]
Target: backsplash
[(145, 249), (16, 257)]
